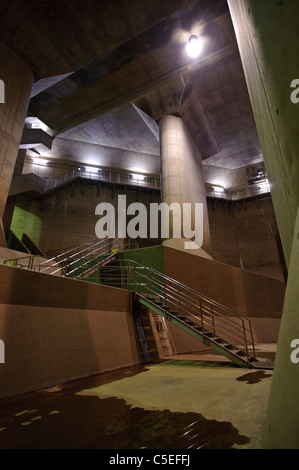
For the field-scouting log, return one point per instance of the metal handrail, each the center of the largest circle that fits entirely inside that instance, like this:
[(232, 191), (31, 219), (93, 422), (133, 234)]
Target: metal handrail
[(115, 177), (146, 281), (211, 314), (107, 176), (210, 301), (64, 261)]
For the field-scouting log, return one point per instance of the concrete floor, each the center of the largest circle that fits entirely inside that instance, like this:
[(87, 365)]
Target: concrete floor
[(186, 402)]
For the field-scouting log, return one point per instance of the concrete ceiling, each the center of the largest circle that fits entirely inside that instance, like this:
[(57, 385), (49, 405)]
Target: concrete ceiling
[(126, 128), (106, 73)]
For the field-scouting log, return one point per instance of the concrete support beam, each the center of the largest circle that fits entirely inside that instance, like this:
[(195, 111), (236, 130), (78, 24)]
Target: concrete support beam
[(33, 137), (18, 81)]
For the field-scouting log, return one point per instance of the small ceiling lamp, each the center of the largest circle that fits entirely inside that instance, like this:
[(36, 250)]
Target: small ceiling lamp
[(194, 46)]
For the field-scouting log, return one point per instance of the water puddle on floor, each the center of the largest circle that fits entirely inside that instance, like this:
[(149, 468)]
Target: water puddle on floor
[(253, 377), (92, 423), (156, 407)]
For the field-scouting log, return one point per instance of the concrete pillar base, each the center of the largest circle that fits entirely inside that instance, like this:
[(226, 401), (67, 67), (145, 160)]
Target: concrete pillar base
[(179, 244)]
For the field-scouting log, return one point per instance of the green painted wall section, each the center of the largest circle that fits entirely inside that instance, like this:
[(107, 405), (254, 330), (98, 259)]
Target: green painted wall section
[(151, 257), (26, 221)]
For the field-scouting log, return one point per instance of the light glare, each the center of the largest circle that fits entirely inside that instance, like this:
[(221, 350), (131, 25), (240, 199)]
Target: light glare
[(194, 46)]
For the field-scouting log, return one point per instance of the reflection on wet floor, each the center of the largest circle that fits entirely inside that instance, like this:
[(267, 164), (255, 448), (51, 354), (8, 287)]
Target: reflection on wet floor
[(88, 422), (63, 418)]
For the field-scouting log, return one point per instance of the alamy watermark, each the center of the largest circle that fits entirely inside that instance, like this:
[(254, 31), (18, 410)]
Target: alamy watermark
[(167, 221), (295, 93), (2, 92), (2, 352), (295, 354)]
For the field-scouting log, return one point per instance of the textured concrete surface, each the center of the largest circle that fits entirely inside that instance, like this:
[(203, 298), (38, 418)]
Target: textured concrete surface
[(18, 80), (123, 128), (264, 36), (182, 178), (96, 69)]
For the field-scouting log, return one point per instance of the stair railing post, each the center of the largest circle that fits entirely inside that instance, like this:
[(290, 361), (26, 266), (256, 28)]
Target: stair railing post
[(213, 319), (122, 269), (134, 277), (252, 342), (245, 339), (201, 316), (165, 294), (128, 274), (149, 286), (180, 301)]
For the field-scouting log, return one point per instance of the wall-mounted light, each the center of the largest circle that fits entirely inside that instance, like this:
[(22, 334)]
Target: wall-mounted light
[(194, 46), (39, 161), (138, 177), (219, 189), (90, 169)]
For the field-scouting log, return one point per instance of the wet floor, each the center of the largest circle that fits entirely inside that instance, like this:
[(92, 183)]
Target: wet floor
[(254, 377), (165, 406)]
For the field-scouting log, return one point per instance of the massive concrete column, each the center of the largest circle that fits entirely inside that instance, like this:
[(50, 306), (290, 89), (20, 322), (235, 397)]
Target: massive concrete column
[(182, 177), (267, 35), (18, 80)]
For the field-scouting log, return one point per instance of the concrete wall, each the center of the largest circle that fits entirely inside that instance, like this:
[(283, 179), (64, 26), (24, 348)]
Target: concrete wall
[(18, 81), (250, 295), (56, 330), (66, 154), (66, 218), (244, 234)]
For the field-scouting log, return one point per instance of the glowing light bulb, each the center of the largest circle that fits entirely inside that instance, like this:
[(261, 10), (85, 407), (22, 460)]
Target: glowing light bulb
[(194, 46)]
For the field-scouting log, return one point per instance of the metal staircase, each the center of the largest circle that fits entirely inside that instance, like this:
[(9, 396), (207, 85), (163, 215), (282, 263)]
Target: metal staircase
[(79, 262), (206, 320)]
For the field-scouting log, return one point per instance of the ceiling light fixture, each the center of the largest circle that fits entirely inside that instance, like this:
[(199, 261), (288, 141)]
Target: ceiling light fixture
[(194, 46)]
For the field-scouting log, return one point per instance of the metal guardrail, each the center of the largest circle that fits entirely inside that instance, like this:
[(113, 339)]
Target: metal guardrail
[(239, 193), (211, 316), (43, 185), (146, 282), (73, 260)]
